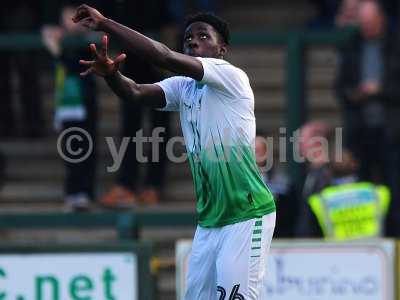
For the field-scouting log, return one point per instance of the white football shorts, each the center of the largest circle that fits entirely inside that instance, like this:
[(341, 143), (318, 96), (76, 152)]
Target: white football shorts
[(229, 262)]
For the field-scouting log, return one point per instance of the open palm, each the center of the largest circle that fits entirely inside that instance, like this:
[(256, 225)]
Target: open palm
[(102, 65)]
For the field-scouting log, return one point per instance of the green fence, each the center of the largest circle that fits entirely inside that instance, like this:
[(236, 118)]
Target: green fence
[(128, 224)]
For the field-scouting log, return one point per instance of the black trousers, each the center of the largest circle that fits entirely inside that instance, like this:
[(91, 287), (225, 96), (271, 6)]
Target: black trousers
[(80, 176), (367, 144), (392, 161), (378, 151), (132, 117)]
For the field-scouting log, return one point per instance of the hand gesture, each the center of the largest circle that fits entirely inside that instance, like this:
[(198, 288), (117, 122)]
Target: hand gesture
[(102, 65), (88, 17)]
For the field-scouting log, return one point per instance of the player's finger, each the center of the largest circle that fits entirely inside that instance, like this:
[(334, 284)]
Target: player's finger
[(93, 50), (120, 58), (87, 62), (104, 46), (87, 72), (117, 61)]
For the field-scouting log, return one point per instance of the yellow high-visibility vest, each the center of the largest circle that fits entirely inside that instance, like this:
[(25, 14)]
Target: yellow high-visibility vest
[(351, 211)]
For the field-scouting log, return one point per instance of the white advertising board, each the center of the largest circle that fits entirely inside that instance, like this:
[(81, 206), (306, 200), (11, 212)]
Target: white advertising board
[(320, 270), (108, 276)]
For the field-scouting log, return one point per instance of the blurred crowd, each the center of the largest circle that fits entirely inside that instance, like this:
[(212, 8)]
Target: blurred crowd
[(356, 196), (355, 193)]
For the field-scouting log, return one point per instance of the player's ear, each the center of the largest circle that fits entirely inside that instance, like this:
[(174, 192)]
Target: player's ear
[(223, 49)]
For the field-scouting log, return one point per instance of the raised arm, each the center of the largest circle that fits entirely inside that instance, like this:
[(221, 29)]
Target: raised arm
[(150, 94), (148, 49)]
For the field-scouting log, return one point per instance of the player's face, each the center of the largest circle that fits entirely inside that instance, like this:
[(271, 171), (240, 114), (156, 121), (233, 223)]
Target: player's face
[(202, 40)]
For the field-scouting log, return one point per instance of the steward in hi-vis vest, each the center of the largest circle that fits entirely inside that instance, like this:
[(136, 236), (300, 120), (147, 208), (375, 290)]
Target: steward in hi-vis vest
[(348, 208), (351, 211)]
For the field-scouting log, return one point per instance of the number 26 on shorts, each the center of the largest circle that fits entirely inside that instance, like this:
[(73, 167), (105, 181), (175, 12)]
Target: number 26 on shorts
[(234, 295)]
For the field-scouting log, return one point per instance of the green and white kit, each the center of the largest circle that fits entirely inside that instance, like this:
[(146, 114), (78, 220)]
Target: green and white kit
[(218, 125)]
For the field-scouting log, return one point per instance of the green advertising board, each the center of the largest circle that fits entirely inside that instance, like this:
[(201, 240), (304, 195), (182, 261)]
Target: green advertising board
[(119, 271)]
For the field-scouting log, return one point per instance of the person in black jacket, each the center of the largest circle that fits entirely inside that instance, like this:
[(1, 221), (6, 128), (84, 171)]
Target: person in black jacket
[(369, 90), (318, 173), (392, 135), (359, 86)]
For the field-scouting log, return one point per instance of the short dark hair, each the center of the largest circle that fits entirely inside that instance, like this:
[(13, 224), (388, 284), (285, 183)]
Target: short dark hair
[(220, 25)]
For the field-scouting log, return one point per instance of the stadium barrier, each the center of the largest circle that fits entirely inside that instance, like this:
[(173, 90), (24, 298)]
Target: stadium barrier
[(124, 223), (127, 224), (96, 271), (319, 270)]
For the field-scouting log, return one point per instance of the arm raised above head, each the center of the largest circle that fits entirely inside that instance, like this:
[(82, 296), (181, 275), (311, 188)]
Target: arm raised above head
[(150, 50)]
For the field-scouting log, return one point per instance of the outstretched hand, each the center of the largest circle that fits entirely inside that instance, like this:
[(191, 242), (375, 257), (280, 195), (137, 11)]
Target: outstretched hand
[(102, 65), (88, 17)]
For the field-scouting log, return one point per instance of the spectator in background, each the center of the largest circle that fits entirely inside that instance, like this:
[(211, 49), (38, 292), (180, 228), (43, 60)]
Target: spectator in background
[(349, 9), (280, 186), (348, 208), (75, 105), (392, 138), (312, 148), (348, 13), (19, 16), (145, 16), (359, 89)]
